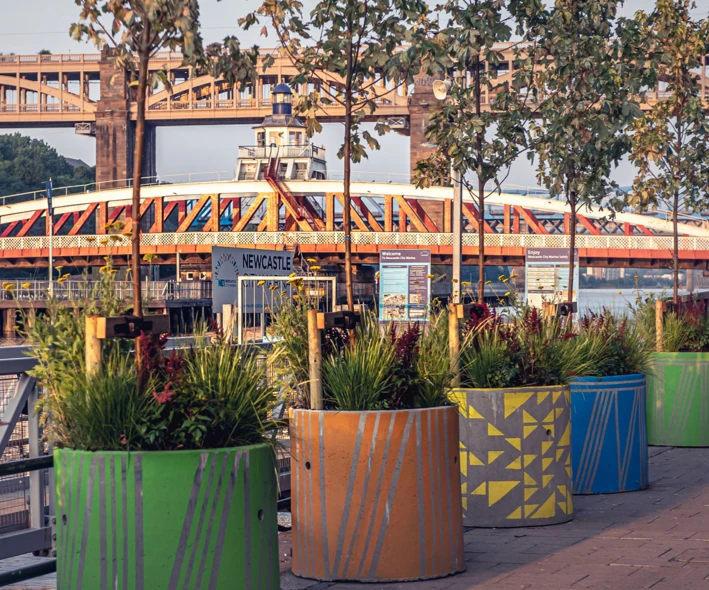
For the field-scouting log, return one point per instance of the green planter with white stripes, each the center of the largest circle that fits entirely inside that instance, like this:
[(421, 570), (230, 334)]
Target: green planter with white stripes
[(167, 519), (678, 400)]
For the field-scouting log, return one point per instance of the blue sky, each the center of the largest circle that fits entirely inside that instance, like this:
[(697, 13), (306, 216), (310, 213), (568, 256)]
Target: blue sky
[(28, 26)]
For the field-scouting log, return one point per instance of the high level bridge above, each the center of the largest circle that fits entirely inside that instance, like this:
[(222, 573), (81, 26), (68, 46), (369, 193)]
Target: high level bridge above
[(89, 92)]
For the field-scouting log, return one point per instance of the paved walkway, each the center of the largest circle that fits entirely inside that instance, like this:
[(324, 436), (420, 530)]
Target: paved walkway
[(658, 538)]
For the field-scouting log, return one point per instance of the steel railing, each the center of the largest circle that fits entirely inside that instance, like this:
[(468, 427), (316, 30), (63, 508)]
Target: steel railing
[(73, 290)]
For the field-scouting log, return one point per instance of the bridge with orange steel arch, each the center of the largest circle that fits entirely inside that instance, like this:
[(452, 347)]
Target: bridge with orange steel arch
[(306, 217)]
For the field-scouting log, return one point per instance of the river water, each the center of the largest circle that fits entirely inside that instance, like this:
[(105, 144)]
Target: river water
[(617, 300)]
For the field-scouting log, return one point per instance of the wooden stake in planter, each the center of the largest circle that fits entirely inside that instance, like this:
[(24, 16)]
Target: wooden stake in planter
[(317, 321), (100, 328), (93, 345), (659, 319), (454, 342), (315, 360)]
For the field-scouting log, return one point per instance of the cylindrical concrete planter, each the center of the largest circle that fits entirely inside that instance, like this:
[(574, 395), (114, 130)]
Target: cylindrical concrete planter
[(168, 519), (609, 434), (375, 495), (515, 449), (678, 400)]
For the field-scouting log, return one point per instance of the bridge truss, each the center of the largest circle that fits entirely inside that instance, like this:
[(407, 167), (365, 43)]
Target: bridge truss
[(191, 218)]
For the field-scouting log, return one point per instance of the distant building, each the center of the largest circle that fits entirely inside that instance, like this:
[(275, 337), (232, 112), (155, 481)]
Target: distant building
[(74, 163)]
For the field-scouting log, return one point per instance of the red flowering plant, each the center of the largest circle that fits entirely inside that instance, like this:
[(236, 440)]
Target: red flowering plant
[(523, 350)]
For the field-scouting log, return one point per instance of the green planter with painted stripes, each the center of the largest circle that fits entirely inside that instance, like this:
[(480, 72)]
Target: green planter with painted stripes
[(168, 519), (678, 400)]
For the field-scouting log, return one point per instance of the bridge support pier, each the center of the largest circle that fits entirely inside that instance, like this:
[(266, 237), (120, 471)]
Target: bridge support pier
[(115, 132), (9, 321)]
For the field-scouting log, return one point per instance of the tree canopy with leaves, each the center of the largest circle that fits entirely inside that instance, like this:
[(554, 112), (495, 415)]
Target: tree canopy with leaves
[(473, 136), (352, 53), (671, 143), (591, 71), (26, 164), (137, 30)]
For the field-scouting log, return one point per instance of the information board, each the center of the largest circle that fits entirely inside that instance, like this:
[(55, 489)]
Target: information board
[(547, 275), (404, 285), (230, 263)]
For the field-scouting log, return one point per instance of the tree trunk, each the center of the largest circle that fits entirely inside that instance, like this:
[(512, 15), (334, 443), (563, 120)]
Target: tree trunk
[(137, 170), (346, 200), (572, 245), (481, 240), (480, 137), (675, 249)]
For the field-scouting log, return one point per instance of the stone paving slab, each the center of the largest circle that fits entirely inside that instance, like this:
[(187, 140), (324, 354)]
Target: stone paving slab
[(657, 538)]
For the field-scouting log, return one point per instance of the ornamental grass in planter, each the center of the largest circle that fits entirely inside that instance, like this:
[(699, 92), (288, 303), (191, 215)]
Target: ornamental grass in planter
[(163, 478), (609, 433), (515, 432), (377, 470), (678, 388)]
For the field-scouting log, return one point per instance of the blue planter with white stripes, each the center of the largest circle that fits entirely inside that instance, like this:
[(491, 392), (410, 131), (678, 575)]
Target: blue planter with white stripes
[(608, 434)]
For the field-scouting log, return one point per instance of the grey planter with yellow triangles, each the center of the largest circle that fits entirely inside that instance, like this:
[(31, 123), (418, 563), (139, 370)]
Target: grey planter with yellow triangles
[(515, 456)]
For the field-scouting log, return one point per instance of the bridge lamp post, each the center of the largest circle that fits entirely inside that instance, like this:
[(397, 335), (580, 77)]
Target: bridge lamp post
[(441, 90)]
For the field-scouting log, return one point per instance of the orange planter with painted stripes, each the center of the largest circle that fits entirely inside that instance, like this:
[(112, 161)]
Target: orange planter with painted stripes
[(376, 495)]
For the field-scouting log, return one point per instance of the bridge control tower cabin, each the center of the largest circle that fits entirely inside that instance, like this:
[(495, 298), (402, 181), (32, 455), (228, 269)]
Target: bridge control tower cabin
[(282, 150)]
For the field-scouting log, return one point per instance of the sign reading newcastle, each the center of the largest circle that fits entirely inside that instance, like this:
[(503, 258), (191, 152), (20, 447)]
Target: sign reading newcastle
[(404, 286), (547, 275), (230, 263)]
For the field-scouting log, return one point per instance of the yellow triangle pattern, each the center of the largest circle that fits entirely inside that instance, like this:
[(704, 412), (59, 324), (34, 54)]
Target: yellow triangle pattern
[(529, 508), (559, 453), (465, 503), (481, 490), (464, 488), (565, 439), (555, 396), (458, 397), (529, 430), (492, 431), (562, 505), (473, 460), (515, 442), (546, 479), (550, 417), (541, 396), (463, 463), (546, 462), (474, 414), (529, 480), (516, 513), (548, 509), (528, 459), (514, 400), (516, 464), (568, 470), (546, 446), (492, 455), (499, 489), (529, 492), (562, 490), (527, 418), (559, 412)]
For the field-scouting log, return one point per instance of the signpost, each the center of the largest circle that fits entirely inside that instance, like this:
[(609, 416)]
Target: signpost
[(230, 263), (404, 285), (50, 224), (547, 276)]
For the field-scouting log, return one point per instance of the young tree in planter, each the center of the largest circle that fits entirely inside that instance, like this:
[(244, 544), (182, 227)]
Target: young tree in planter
[(471, 135), (137, 30), (593, 71), (671, 143), (348, 49)]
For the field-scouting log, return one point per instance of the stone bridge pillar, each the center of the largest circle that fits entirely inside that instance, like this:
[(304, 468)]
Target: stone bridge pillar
[(114, 130), (421, 102)]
